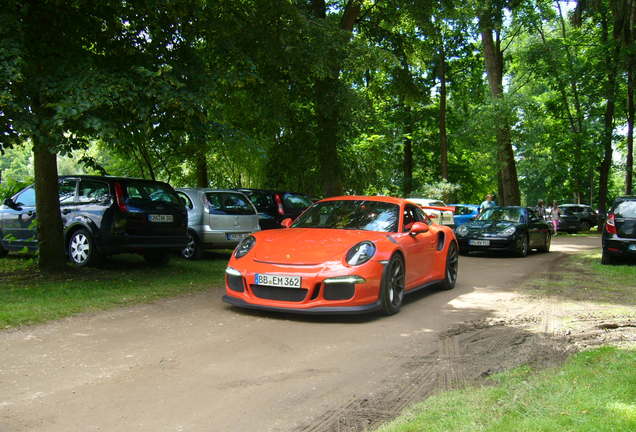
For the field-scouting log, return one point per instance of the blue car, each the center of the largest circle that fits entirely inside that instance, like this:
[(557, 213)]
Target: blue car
[(464, 213)]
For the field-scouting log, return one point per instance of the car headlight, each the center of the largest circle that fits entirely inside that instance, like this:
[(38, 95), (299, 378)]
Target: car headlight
[(244, 246), (360, 253), (462, 230), (509, 231)]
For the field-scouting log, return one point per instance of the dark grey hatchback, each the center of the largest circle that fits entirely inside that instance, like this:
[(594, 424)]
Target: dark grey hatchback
[(619, 234), (102, 216)]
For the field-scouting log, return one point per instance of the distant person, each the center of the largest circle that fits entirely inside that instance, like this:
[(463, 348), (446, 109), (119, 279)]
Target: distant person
[(555, 213), (488, 203), (540, 209)]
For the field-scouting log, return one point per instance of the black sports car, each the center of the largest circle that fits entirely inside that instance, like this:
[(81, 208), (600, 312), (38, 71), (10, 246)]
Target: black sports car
[(513, 229)]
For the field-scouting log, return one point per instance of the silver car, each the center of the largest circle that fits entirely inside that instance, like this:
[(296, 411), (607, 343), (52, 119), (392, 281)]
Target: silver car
[(217, 219)]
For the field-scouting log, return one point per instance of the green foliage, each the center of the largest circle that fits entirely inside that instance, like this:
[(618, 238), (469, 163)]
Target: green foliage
[(10, 187), (441, 190)]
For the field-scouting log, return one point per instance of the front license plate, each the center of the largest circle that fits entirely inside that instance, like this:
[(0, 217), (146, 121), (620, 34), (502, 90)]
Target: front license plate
[(278, 280), (160, 218), (479, 242), (236, 236)]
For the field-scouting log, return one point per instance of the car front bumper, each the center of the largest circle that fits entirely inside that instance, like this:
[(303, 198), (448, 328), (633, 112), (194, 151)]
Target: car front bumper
[(494, 244), (314, 297)]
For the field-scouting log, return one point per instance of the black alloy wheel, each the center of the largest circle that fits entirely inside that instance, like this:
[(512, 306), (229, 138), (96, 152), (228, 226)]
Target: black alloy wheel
[(193, 249), (546, 243), (585, 226), (522, 248), (392, 286), (81, 248), (452, 267)]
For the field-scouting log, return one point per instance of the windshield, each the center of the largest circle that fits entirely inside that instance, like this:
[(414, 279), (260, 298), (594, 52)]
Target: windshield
[(626, 209), (351, 215), (229, 203), (501, 214), (144, 192)]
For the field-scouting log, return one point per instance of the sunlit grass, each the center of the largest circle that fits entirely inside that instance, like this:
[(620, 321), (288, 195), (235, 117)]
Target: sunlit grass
[(592, 391)]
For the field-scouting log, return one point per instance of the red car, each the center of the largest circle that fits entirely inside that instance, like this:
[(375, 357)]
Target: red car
[(348, 254)]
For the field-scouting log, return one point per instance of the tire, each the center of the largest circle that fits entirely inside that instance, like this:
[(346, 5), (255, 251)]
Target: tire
[(606, 258), (392, 285), (157, 258), (522, 248), (546, 243), (451, 268), (585, 226), (81, 248), (193, 249), (3, 251)]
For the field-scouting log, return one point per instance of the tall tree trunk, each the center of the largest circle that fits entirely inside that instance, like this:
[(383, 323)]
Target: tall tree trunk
[(608, 117), (202, 170), (407, 161), (328, 108), (493, 56), (51, 254), (629, 162), (443, 140)]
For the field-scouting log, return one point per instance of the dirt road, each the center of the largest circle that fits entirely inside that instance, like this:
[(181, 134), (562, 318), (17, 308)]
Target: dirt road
[(195, 364)]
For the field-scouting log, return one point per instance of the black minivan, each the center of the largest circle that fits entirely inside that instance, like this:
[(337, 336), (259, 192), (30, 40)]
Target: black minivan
[(619, 234), (102, 216)]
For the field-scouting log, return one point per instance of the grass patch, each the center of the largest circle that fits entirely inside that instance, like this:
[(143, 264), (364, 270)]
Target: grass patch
[(593, 233), (593, 391), (582, 277), (27, 297)]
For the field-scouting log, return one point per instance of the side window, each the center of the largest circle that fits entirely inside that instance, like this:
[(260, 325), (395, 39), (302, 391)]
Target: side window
[(66, 191), (91, 191), (422, 217), (186, 200), (411, 215), (26, 198)]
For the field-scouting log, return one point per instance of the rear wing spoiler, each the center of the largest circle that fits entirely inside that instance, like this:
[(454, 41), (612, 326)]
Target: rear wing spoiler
[(450, 209)]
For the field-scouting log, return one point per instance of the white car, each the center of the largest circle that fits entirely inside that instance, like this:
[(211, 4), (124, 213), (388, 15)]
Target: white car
[(439, 215)]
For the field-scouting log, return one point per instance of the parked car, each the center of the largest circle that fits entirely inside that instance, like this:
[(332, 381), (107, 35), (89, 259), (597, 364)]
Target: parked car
[(343, 255), (577, 217), (464, 213), (439, 212), (216, 219), (514, 229), (619, 234), (274, 206), (102, 216)]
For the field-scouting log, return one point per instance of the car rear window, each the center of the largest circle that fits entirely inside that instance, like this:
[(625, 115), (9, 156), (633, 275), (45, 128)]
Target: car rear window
[(296, 201), (262, 200), (151, 192), (626, 209), (228, 203)]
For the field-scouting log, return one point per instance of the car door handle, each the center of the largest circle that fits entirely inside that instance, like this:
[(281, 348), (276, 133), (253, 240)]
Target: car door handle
[(66, 211)]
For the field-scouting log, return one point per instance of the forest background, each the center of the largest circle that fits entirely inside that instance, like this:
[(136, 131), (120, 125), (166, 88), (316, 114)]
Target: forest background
[(527, 99)]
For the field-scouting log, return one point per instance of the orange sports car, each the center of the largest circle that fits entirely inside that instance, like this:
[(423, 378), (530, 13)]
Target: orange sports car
[(348, 254)]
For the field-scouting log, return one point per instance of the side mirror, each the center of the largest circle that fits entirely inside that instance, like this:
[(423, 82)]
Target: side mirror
[(418, 228), (287, 222), (9, 203)]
